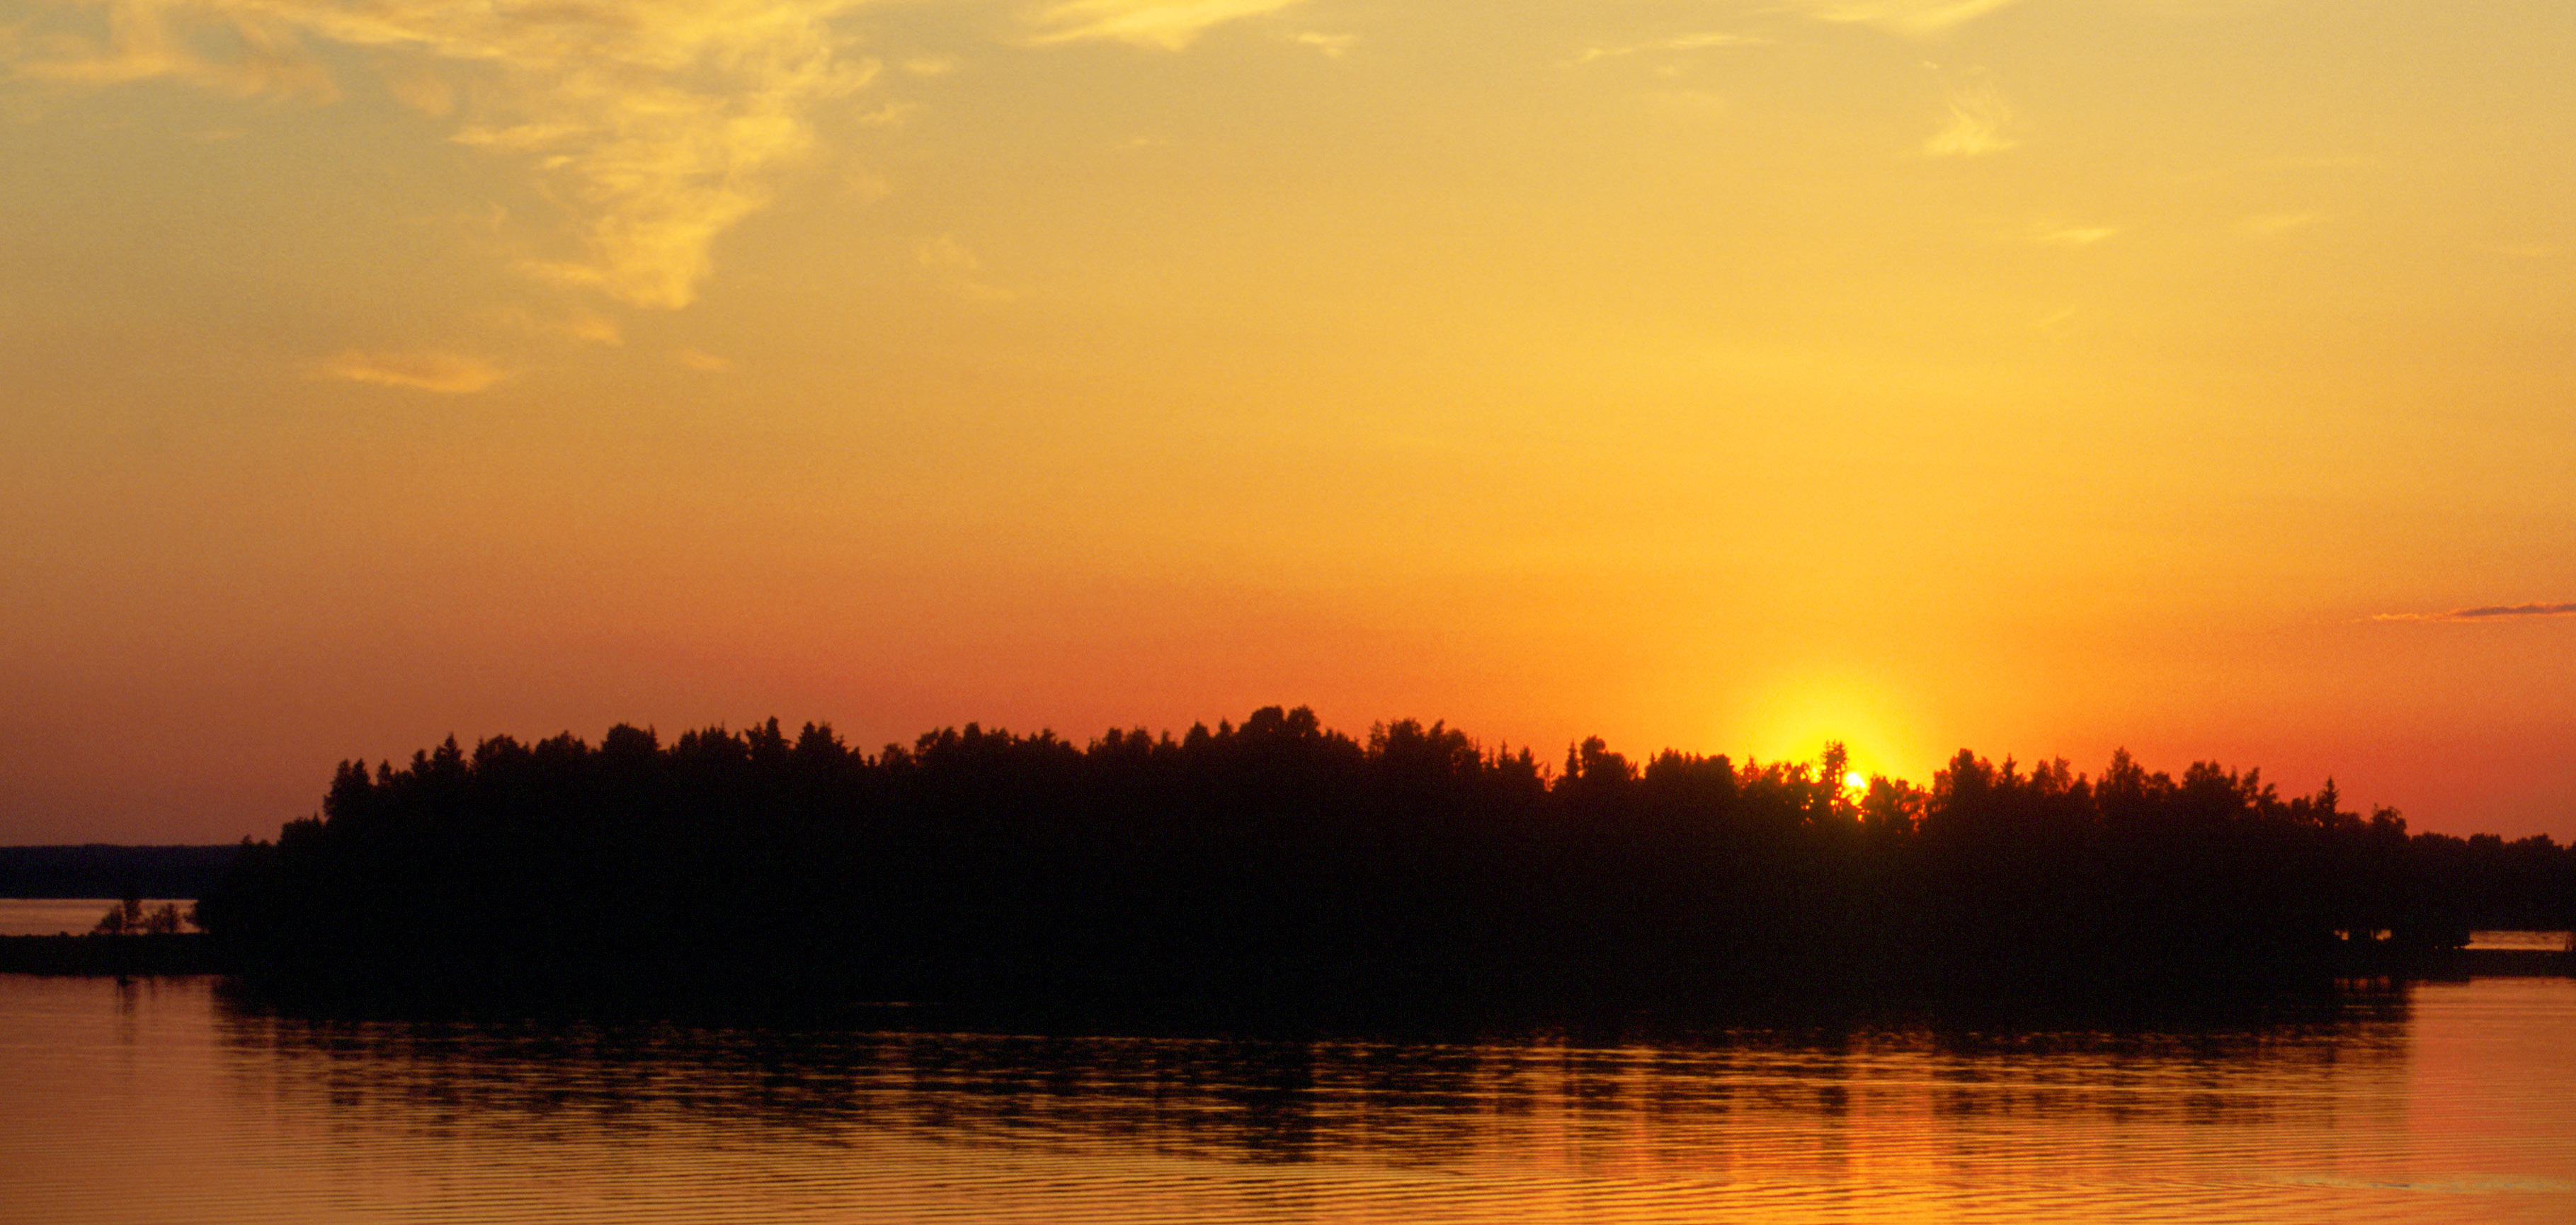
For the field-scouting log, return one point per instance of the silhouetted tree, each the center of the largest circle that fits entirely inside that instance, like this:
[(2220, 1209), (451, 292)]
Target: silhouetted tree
[(1280, 852)]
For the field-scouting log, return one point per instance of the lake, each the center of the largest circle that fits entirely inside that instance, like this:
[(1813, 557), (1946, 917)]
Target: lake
[(47, 916), (161, 1100)]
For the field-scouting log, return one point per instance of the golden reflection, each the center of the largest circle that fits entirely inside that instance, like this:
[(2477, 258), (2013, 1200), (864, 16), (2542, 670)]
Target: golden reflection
[(2292, 1111)]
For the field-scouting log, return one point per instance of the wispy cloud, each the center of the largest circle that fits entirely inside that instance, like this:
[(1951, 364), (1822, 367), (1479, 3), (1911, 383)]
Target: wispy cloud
[(657, 124), (425, 370), (2329, 161), (1169, 24), (1977, 120), (954, 265), (2492, 612), (2073, 236), (1680, 42), (1333, 46), (145, 40), (2273, 225), (1913, 18)]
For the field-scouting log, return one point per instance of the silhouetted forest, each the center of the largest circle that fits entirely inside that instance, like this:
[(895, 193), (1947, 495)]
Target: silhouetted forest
[(1282, 857)]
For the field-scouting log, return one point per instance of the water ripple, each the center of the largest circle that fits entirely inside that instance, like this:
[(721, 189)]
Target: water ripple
[(168, 1101)]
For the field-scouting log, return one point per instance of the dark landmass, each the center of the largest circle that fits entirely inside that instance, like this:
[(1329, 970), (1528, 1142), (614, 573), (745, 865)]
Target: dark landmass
[(102, 871), (2495, 963), (1280, 863)]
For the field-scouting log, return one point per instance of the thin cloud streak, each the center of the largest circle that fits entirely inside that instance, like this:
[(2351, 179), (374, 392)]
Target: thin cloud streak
[(1682, 42), (1170, 24), (428, 370), (2273, 225), (2492, 612), (1913, 18)]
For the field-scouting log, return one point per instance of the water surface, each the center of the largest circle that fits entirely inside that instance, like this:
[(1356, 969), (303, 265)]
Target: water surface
[(164, 1100), (60, 916)]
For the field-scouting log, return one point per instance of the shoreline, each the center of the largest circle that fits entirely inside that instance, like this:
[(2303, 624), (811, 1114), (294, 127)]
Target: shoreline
[(95, 954)]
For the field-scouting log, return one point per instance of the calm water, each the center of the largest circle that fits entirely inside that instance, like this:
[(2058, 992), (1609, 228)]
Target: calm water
[(47, 916), (167, 1100)]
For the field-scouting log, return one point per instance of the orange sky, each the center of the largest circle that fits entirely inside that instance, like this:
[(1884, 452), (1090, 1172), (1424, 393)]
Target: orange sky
[(2038, 377)]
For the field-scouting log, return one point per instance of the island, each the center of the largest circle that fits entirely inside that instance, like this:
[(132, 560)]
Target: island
[(1279, 859)]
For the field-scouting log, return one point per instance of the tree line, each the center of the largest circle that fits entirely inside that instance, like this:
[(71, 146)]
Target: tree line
[(1280, 855)]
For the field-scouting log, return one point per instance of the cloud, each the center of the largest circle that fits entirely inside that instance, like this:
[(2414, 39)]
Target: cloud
[(1977, 119), (1334, 46), (2326, 162), (143, 42), (424, 370), (948, 258), (945, 252), (655, 124), (426, 92), (2492, 612), (700, 361), (1912, 18), (1169, 24), (2074, 236), (1680, 42), (2273, 225)]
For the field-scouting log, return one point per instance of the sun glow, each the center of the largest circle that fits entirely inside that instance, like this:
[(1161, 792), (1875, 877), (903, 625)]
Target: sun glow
[(1795, 722), (1295, 353)]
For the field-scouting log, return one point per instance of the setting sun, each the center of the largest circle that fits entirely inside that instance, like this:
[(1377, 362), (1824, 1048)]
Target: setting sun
[(1799, 718), (1159, 610), (1729, 377)]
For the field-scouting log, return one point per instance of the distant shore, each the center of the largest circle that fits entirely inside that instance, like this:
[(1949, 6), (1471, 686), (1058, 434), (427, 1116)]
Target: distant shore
[(177, 953), (198, 953), (2498, 963)]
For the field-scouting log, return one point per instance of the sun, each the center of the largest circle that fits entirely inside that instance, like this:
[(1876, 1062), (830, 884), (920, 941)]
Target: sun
[(1791, 722)]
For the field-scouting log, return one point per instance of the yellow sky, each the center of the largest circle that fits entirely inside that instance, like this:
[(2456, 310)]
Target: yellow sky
[(2038, 377)]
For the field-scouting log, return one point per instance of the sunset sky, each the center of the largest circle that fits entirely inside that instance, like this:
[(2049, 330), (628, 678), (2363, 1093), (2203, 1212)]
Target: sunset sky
[(2197, 376)]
